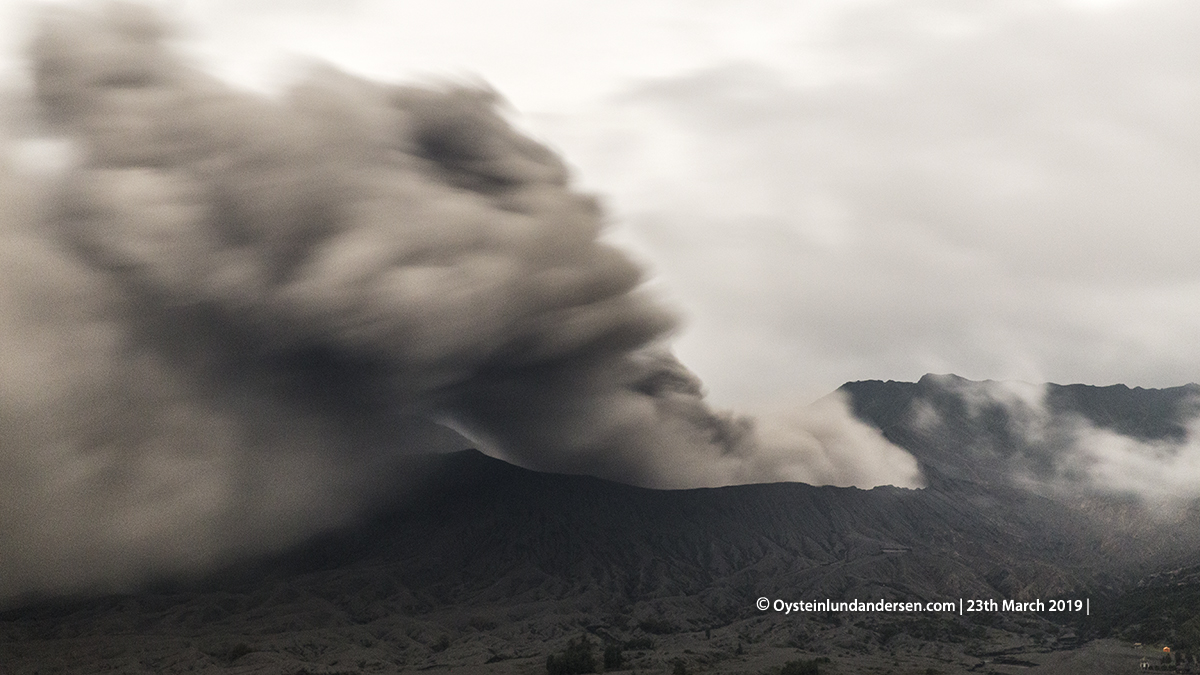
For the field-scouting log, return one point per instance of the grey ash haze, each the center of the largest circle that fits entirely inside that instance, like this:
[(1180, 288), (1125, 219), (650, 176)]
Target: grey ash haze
[(227, 317)]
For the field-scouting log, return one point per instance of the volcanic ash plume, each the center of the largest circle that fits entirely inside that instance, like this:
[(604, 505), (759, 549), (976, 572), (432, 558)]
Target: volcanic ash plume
[(234, 312)]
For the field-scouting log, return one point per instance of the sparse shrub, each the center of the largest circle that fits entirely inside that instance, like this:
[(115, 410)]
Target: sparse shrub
[(680, 668), (481, 624), (800, 668), (657, 626), (828, 618), (800, 640), (985, 618), (238, 651), (640, 643), (1188, 634), (442, 644), (613, 659), (576, 658)]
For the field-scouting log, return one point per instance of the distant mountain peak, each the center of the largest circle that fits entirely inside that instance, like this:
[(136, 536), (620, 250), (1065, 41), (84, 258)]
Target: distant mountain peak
[(1109, 438)]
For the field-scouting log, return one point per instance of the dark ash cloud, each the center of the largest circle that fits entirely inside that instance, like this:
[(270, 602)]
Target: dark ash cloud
[(227, 321)]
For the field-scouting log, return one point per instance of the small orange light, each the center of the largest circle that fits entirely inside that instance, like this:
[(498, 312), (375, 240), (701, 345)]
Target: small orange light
[(1167, 650)]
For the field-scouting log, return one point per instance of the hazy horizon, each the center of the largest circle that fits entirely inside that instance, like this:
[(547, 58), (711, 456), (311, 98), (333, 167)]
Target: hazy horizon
[(836, 190)]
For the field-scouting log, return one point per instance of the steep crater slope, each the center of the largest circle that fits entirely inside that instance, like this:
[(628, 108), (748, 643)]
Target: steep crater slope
[(491, 561)]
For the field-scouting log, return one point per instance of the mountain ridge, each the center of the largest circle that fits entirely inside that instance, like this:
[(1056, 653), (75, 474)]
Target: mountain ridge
[(487, 560)]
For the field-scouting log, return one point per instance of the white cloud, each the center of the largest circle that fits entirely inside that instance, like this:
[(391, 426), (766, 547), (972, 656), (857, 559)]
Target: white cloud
[(1057, 448), (1008, 193)]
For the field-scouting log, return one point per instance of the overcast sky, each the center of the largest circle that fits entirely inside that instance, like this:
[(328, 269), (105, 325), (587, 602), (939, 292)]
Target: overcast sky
[(836, 190)]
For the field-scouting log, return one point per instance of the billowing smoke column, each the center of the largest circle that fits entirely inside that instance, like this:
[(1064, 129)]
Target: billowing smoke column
[(236, 312)]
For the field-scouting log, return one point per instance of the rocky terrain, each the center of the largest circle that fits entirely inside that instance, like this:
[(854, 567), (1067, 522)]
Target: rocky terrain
[(490, 567)]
